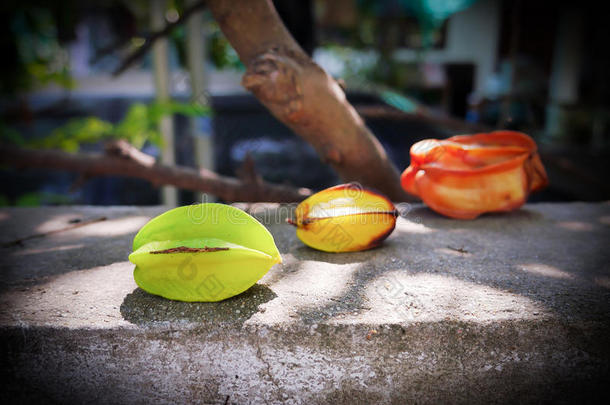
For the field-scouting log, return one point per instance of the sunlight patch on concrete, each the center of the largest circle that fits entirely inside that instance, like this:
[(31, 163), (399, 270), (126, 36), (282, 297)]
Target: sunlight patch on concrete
[(399, 297), (57, 222), (109, 227), (113, 227), (406, 226), (80, 299), (540, 269), (34, 251), (314, 285), (576, 226)]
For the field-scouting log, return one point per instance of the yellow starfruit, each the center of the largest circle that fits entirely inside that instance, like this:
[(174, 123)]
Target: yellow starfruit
[(344, 218)]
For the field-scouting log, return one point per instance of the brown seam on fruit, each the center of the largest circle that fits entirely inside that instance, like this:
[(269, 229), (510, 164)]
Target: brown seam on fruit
[(394, 213), (307, 221), (184, 249)]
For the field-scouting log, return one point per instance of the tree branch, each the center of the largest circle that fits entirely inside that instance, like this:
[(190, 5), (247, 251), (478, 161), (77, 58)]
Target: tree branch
[(151, 38), (301, 95), (122, 159)]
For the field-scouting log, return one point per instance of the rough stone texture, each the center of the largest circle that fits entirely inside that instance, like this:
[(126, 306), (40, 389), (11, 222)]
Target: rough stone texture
[(505, 308)]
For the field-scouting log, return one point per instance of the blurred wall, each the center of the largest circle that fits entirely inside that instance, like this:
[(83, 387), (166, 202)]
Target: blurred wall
[(472, 37)]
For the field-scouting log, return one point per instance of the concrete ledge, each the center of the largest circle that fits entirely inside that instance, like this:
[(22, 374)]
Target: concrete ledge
[(506, 308)]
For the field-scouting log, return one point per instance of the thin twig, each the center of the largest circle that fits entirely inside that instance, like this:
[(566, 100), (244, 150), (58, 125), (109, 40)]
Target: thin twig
[(79, 224), (107, 50), (150, 39)]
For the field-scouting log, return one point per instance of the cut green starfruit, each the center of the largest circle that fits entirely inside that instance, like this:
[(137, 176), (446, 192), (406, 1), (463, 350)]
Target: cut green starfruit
[(204, 252)]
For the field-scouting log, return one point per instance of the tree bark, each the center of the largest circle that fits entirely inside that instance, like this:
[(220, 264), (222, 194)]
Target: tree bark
[(301, 95), (122, 159)]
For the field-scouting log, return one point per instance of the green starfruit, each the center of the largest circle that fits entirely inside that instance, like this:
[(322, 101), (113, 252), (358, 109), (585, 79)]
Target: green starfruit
[(203, 252)]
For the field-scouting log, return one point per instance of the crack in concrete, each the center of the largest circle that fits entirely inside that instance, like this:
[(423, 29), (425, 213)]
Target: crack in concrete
[(259, 354)]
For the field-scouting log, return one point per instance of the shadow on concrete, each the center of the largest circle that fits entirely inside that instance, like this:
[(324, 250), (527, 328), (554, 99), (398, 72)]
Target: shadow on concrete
[(556, 257), (353, 299), (140, 307), (460, 251), (39, 243), (424, 215), (306, 253), (558, 260)]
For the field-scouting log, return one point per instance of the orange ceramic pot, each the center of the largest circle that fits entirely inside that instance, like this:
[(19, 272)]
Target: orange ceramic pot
[(465, 176)]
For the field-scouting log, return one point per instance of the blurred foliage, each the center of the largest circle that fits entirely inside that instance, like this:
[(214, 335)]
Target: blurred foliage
[(31, 38), (381, 27), (220, 51), (140, 125), (430, 14), (35, 35), (10, 136), (35, 199), (38, 198), (360, 70)]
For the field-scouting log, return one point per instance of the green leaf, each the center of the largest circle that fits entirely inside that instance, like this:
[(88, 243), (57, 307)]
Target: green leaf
[(140, 125), (28, 200), (69, 136)]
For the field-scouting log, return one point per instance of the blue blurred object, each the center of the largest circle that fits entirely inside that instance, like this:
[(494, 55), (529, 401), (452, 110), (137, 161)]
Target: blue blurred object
[(396, 100), (430, 13)]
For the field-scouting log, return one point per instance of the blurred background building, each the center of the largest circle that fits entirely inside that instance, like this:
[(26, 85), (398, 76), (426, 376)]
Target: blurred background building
[(414, 69)]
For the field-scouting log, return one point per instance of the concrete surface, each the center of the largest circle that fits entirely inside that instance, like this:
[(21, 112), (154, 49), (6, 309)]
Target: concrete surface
[(505, 308)]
